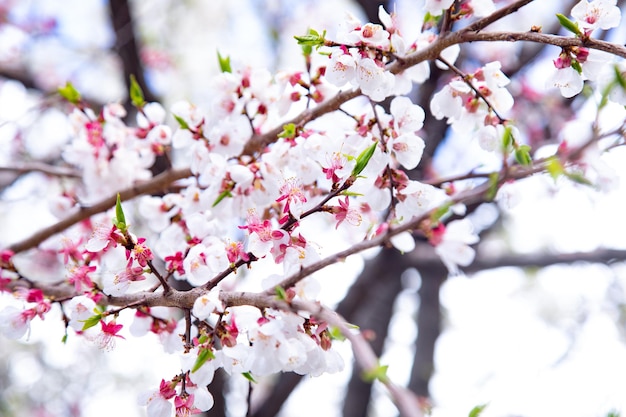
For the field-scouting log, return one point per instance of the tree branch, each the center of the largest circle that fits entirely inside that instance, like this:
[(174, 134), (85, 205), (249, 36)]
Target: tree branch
[(405, 400), (56, 171), (156, 184)]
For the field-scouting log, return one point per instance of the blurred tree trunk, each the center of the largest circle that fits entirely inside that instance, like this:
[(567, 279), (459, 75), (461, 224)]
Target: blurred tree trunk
[(218, 389), (372, 315), (127, 48), (429, 328)]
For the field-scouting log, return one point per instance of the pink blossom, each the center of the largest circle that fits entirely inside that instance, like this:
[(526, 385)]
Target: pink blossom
[(14, 322), (71, 250), (141, 252), (603, 14), (452, 243), (235, 251), (291, 192), (104, 237), (158, 404), (79, 277), (106, 339), (184, 406), (174, 263), (344, 212)]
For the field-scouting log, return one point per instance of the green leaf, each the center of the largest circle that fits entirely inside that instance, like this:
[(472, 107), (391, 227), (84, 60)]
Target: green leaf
[(619, 77), (136, 93), (91, 321), (289, 131), (522, 155), (578, 178), (507, 138), (568, 24), (280, 293), (203, 357), (335, 333), (576, 65), (223, 195), (224, 63), (493, 186), (554, 167), (69, 93), (181, 122), (363, 159), (440, 212), (476, 411), (312, 38), (249, 377), (120, 219), (351, 193), (378, 373), (307, 50)]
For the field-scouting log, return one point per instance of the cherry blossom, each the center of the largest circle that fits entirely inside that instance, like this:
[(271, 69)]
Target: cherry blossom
[(158, 404), (271, 158), (436, 7), (452, 244), (109, 331), (602, 14)]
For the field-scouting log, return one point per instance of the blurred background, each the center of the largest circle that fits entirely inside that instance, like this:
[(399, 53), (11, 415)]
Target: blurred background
[(534, 327)]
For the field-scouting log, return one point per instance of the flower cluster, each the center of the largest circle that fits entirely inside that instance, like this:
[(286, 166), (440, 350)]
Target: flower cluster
[(576, 64), (360, 55), (260, 188)]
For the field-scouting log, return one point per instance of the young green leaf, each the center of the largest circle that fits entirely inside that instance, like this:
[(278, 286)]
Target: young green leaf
[(476, 411), (378, 373), (440, 212), (181, 122), (307, 50), (312, 38), (280, 293), (136, 93), (576, 65), (249, 377), (493, 186), (335, 333), (619, 77), (522, 155), (351, 193), (363, 158), (69, 93), (120, 219), (507, 138), (223, 195), (289, 131), (224, 62), (578, 178), (554, 167), (91, 321), (568, 24), (204, 355)]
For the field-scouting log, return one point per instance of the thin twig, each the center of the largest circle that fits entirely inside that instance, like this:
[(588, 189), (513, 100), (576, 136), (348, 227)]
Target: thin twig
[(158, 183)]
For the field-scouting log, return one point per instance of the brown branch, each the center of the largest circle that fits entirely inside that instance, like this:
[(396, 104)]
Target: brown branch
[(497, 15), (154, 185), (257, 143), (127, 46), (56, 171), (543, 38), (406, 401)]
